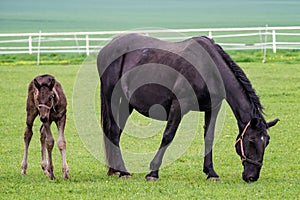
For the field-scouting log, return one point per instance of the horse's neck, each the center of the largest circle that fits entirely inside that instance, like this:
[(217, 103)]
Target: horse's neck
[(238, 101)]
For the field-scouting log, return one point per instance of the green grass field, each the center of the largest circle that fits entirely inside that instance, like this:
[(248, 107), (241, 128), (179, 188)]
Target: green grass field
[(278, 85), (277, 82)]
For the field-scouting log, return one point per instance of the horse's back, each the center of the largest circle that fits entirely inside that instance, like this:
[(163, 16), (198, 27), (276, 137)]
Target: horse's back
[(136, 62)]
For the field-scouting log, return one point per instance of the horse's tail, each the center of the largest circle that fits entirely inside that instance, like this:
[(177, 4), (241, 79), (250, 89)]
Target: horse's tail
[(105, 122), (109, 126), (105, 116)]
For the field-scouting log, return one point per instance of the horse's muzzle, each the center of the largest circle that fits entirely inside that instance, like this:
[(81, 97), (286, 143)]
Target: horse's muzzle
[(250, 178)]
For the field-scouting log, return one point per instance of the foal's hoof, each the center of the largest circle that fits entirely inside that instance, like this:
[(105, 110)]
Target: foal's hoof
[(66, 176), (52, 176), (49, 174), (213, 179)]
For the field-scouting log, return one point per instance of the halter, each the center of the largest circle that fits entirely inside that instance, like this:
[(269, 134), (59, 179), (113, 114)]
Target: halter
[(48, 107), (243, 156)]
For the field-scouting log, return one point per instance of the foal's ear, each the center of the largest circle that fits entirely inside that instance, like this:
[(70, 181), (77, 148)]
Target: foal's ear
[(255, 122), (51, 83), (36, 84), (272, 123)]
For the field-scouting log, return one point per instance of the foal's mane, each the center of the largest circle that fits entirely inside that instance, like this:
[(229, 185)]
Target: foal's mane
[(254, 100)]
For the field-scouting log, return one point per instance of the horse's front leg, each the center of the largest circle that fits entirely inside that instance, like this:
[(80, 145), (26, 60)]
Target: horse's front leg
[(31, 115), (168, 136), (48, 142), (61, 143), (209, 128)]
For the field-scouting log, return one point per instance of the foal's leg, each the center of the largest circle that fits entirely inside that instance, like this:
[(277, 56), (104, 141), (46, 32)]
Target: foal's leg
[(44, 163), (31, 115), (168, 136), (61, 142), (209, 128), (112, 139), (49, 141)]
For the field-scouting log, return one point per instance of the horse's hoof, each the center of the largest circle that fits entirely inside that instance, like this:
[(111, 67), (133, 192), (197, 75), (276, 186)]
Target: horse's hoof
[(125, 176), (213, 179), (23, 172), (152, 176), (112, 172), (151, 179)]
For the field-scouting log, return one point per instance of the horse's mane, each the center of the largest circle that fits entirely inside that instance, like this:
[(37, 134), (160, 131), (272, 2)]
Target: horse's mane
[(257, 107), (244, 81)]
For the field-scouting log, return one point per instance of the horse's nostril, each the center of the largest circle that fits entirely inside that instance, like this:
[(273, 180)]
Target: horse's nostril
[(251, 179)]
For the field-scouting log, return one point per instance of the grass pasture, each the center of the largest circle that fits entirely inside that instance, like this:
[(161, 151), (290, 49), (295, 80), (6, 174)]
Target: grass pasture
[(278, 85)]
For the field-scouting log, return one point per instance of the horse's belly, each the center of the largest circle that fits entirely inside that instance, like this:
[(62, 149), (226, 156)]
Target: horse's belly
[(151, 100)]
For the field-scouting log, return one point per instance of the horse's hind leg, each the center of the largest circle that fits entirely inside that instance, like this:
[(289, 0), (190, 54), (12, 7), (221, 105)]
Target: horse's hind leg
[(49, 143), (61, 142), (112, 136), (31, 115)]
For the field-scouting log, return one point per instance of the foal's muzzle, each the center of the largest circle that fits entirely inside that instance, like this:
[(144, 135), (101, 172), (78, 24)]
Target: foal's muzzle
[(44, 112), (44, 119)]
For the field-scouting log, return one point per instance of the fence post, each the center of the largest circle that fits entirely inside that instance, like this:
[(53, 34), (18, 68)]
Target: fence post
[(274, 40), (30, 45), (210, 34), (87, 45), (39, 48)]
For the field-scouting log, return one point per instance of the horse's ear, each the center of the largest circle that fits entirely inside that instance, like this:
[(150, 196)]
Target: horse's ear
[(272, 123), (36, 84), (255, 122)]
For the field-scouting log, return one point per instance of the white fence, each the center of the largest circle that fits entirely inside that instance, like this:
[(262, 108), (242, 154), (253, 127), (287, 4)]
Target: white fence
[(262, 38)]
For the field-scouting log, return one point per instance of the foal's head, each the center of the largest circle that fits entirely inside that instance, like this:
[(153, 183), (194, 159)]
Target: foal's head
[(45, 96), (251, 144)]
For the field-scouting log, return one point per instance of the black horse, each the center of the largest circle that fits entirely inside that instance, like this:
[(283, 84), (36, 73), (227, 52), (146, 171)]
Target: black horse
[(138, 72)]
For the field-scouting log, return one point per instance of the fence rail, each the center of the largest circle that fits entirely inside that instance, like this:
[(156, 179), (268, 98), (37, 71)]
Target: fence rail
[(262, 38)]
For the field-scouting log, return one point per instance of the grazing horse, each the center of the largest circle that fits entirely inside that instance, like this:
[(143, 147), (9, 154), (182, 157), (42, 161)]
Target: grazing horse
[(139, 72), (46, 99)]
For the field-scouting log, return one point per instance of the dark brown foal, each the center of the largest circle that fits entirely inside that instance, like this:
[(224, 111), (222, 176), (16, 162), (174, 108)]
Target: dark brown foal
[(46, 99)]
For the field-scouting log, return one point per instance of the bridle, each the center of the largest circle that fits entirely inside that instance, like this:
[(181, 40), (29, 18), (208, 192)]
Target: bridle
[(243, 156)]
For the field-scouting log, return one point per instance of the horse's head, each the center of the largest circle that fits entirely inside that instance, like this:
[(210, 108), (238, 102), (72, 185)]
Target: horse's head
[(45, 95), (251, 144)]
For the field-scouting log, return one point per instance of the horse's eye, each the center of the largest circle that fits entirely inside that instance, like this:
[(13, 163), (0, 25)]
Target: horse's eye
[(252, 139)]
